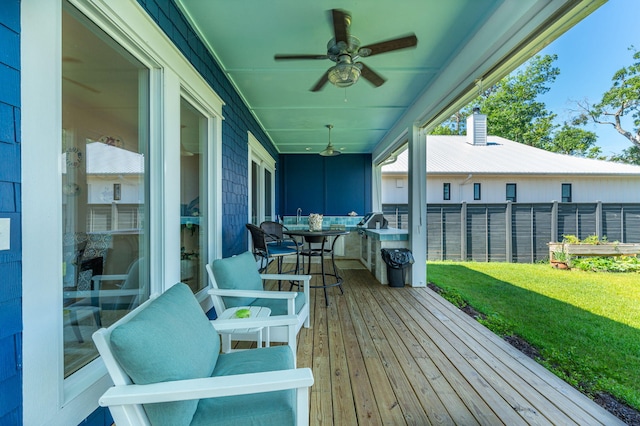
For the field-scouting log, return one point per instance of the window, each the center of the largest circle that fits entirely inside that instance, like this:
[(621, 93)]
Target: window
[(566, 192), (261, 183), (446, 191), (476, 191), (103, 184), (511, 192)]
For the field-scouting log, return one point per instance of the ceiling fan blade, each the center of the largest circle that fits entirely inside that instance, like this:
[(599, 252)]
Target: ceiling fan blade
[(319, 56), (373, 77), (389, 45), (320, 84), (340, 30)]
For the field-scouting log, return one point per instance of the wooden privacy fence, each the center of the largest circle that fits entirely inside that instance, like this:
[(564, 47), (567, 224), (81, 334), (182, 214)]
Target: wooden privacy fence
[(517, 232)]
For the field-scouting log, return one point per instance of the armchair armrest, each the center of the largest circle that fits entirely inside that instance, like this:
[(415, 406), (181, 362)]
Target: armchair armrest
[(113, 277), (210, 387), (97, 279), (286, 277), (77, 294), (290, 277), (254, 293)]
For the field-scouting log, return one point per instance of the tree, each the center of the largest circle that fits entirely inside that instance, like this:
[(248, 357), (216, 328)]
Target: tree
[(621, 100), (514, 113), (511, 106), (512, 109), (455, 125), (573, 140), (630, 155)]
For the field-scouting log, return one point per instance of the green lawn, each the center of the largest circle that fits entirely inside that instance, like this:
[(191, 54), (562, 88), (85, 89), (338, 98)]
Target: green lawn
[(585, 324)]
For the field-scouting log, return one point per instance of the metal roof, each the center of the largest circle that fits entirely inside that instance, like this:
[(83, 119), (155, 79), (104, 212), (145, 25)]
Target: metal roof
[(453, 155)]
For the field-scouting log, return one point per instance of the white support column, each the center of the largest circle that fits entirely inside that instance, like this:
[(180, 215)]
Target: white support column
[(376, 188), (418, 205)]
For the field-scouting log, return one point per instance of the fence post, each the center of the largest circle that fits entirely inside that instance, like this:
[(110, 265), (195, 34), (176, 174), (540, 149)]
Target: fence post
[(622, 225), (463, 231), (599, 219), (508, 236), (554, 221)]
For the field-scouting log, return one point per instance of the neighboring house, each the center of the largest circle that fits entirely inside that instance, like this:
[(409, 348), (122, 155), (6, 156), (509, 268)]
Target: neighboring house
[(492, 169), (490, 198), (115, 187)]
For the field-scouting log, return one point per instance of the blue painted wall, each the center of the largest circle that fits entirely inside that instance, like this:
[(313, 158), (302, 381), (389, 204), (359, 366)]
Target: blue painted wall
[(10, 207), (238, 120), (333, 186)]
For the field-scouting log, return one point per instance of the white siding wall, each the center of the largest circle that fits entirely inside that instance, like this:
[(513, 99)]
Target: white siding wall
[(529, 189), (395, 189)]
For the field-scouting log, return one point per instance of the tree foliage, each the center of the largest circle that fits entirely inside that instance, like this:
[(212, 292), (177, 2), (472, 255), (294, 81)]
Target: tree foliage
[(620, 101), (630, 155), (513, 110), (573, 140)]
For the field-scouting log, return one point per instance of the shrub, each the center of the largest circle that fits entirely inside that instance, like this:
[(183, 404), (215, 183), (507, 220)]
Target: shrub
[(591, 239), (570, 239), (607, 264)]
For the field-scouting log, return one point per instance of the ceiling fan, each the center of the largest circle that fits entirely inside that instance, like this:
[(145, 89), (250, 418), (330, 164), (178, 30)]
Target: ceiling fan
[(344, 49)]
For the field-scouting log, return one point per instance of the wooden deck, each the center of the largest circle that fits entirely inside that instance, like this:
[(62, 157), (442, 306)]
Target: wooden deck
[(395, 356)]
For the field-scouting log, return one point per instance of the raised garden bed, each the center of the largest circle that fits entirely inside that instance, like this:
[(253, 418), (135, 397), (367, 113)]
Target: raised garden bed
[(560, 254)]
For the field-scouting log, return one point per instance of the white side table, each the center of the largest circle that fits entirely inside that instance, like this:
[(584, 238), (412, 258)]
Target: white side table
[(256, 312)]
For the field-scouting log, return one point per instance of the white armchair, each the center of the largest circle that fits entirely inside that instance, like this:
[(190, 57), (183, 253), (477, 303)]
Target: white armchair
[(235, 281), (164, 359)]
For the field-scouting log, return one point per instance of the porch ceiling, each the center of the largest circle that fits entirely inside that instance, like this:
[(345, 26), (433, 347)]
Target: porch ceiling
[(459, 43)]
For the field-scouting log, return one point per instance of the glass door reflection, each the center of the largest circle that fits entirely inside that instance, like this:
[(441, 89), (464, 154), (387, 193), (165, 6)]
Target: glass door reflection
[(193, 236)]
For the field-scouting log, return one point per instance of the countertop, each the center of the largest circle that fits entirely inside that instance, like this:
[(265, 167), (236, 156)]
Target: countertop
[(390, 234)]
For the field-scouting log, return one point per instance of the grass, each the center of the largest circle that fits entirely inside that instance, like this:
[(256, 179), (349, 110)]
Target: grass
[(586, 325)]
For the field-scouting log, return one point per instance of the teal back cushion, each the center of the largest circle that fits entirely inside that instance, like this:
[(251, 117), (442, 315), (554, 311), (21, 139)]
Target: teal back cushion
[(238, 273), (171, 339)]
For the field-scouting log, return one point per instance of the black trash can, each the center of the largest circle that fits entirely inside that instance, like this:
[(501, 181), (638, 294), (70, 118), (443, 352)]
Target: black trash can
[(397, 261)]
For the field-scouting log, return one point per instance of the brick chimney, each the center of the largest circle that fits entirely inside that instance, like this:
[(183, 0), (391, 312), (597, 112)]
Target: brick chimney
[(477, 128)]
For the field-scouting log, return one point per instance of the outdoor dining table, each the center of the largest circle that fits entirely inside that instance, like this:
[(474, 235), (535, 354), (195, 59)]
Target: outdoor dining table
[(329, 279)]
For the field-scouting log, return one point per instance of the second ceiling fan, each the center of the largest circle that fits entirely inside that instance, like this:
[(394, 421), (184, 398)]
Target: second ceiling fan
[(345, 50)]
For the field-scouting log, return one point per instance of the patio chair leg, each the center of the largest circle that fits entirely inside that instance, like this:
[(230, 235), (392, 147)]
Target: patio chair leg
[(335, 273), (324, 281), (73, 319)]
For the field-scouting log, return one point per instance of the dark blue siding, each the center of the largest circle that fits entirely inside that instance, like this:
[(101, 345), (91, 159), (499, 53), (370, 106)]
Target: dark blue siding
[(333, 186), (238, 120), (10, 260)]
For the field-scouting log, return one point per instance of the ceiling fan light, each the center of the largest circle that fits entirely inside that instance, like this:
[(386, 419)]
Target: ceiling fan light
[(344, 74), (330, 151)]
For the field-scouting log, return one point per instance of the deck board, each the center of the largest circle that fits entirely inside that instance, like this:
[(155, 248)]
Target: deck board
[(393, 356)]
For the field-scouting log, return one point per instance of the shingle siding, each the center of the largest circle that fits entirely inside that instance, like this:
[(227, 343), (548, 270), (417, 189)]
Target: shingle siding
[(238, 120), (10, 260)]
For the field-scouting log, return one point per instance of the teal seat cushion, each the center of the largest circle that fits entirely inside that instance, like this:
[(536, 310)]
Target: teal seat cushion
[(279, 306), (281, 249), (237, 273), (270, 408), (171, 339)]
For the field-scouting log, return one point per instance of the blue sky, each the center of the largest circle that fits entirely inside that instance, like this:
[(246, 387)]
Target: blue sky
[(588, 56)]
